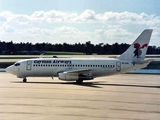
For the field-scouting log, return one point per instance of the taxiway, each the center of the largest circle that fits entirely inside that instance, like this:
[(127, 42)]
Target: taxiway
[(119, 97)]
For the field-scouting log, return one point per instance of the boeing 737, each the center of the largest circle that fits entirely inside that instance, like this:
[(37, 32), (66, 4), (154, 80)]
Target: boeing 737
[(80, 69)]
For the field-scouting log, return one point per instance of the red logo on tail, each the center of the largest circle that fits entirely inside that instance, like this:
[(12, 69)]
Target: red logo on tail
[(138, 50)]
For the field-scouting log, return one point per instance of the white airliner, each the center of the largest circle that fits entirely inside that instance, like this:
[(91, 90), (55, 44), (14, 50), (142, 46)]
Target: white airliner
[(79, 69)]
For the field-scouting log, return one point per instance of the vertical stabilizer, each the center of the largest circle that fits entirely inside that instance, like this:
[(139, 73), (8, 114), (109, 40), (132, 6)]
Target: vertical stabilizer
[(137, 51)]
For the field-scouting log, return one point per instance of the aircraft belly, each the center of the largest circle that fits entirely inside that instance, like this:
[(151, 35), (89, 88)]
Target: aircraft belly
[(39, 73), (104, 72)]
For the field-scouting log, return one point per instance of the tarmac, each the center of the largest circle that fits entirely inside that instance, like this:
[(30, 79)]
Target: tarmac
[(118, 97)]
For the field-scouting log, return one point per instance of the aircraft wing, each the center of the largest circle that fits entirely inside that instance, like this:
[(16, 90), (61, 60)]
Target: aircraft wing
[(84, 71)]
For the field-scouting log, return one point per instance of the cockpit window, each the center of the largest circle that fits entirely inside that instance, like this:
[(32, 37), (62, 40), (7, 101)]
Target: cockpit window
[(17, 64)]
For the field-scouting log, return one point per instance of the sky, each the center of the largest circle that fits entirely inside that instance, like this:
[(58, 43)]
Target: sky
[(78, 21)]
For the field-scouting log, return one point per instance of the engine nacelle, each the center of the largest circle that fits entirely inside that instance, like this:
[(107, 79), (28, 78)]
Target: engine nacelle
[(74, 76)]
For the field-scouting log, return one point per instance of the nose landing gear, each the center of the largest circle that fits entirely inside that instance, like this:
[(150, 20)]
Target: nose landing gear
[(24, 79)]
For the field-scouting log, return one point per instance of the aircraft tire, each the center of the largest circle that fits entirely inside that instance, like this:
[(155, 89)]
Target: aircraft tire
[(79, 81), (24, 80)]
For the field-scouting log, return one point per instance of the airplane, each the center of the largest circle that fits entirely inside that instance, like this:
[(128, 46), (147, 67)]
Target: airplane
[(80, 69)]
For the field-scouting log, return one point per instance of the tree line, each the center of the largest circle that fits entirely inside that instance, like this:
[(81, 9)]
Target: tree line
[(10, 48)]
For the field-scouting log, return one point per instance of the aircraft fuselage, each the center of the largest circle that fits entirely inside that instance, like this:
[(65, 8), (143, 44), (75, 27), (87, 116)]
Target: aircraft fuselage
[(50, 67)]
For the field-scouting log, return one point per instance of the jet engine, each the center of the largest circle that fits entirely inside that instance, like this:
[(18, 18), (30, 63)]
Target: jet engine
[(74, 76)]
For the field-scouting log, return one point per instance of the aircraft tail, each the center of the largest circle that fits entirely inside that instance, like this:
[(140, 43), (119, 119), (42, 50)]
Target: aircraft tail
[(137, 51)]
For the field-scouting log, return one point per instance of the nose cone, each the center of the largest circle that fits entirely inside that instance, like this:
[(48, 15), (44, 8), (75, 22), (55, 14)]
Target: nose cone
[(11, 69), (8, 69)]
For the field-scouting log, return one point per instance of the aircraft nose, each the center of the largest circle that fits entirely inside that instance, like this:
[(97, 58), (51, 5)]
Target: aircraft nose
[(10, 69)]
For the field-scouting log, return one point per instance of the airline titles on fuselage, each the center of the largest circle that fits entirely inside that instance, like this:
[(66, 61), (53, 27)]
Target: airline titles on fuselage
[(52, 61), (67, 63)]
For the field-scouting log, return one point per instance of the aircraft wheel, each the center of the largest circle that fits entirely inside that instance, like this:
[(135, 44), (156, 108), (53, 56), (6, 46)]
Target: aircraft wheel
[(79, 81), (24, 80)]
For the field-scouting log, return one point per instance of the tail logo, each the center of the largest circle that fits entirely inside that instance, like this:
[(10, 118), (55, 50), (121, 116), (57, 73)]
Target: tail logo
[(138, 49)]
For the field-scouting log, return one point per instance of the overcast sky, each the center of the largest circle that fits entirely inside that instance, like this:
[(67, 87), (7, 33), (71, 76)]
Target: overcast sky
[(74, 21)]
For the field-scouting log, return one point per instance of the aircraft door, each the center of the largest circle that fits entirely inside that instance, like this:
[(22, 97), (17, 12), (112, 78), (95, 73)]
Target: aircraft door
[(29, 65), (118, 66)]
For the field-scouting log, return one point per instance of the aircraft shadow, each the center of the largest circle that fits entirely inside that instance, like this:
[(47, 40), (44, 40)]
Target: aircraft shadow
[(127, 85), (87, 84), (92, 84)]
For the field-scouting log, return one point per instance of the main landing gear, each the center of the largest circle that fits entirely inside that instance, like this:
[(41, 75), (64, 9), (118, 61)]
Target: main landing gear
[(24, 79), (79, 81)]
